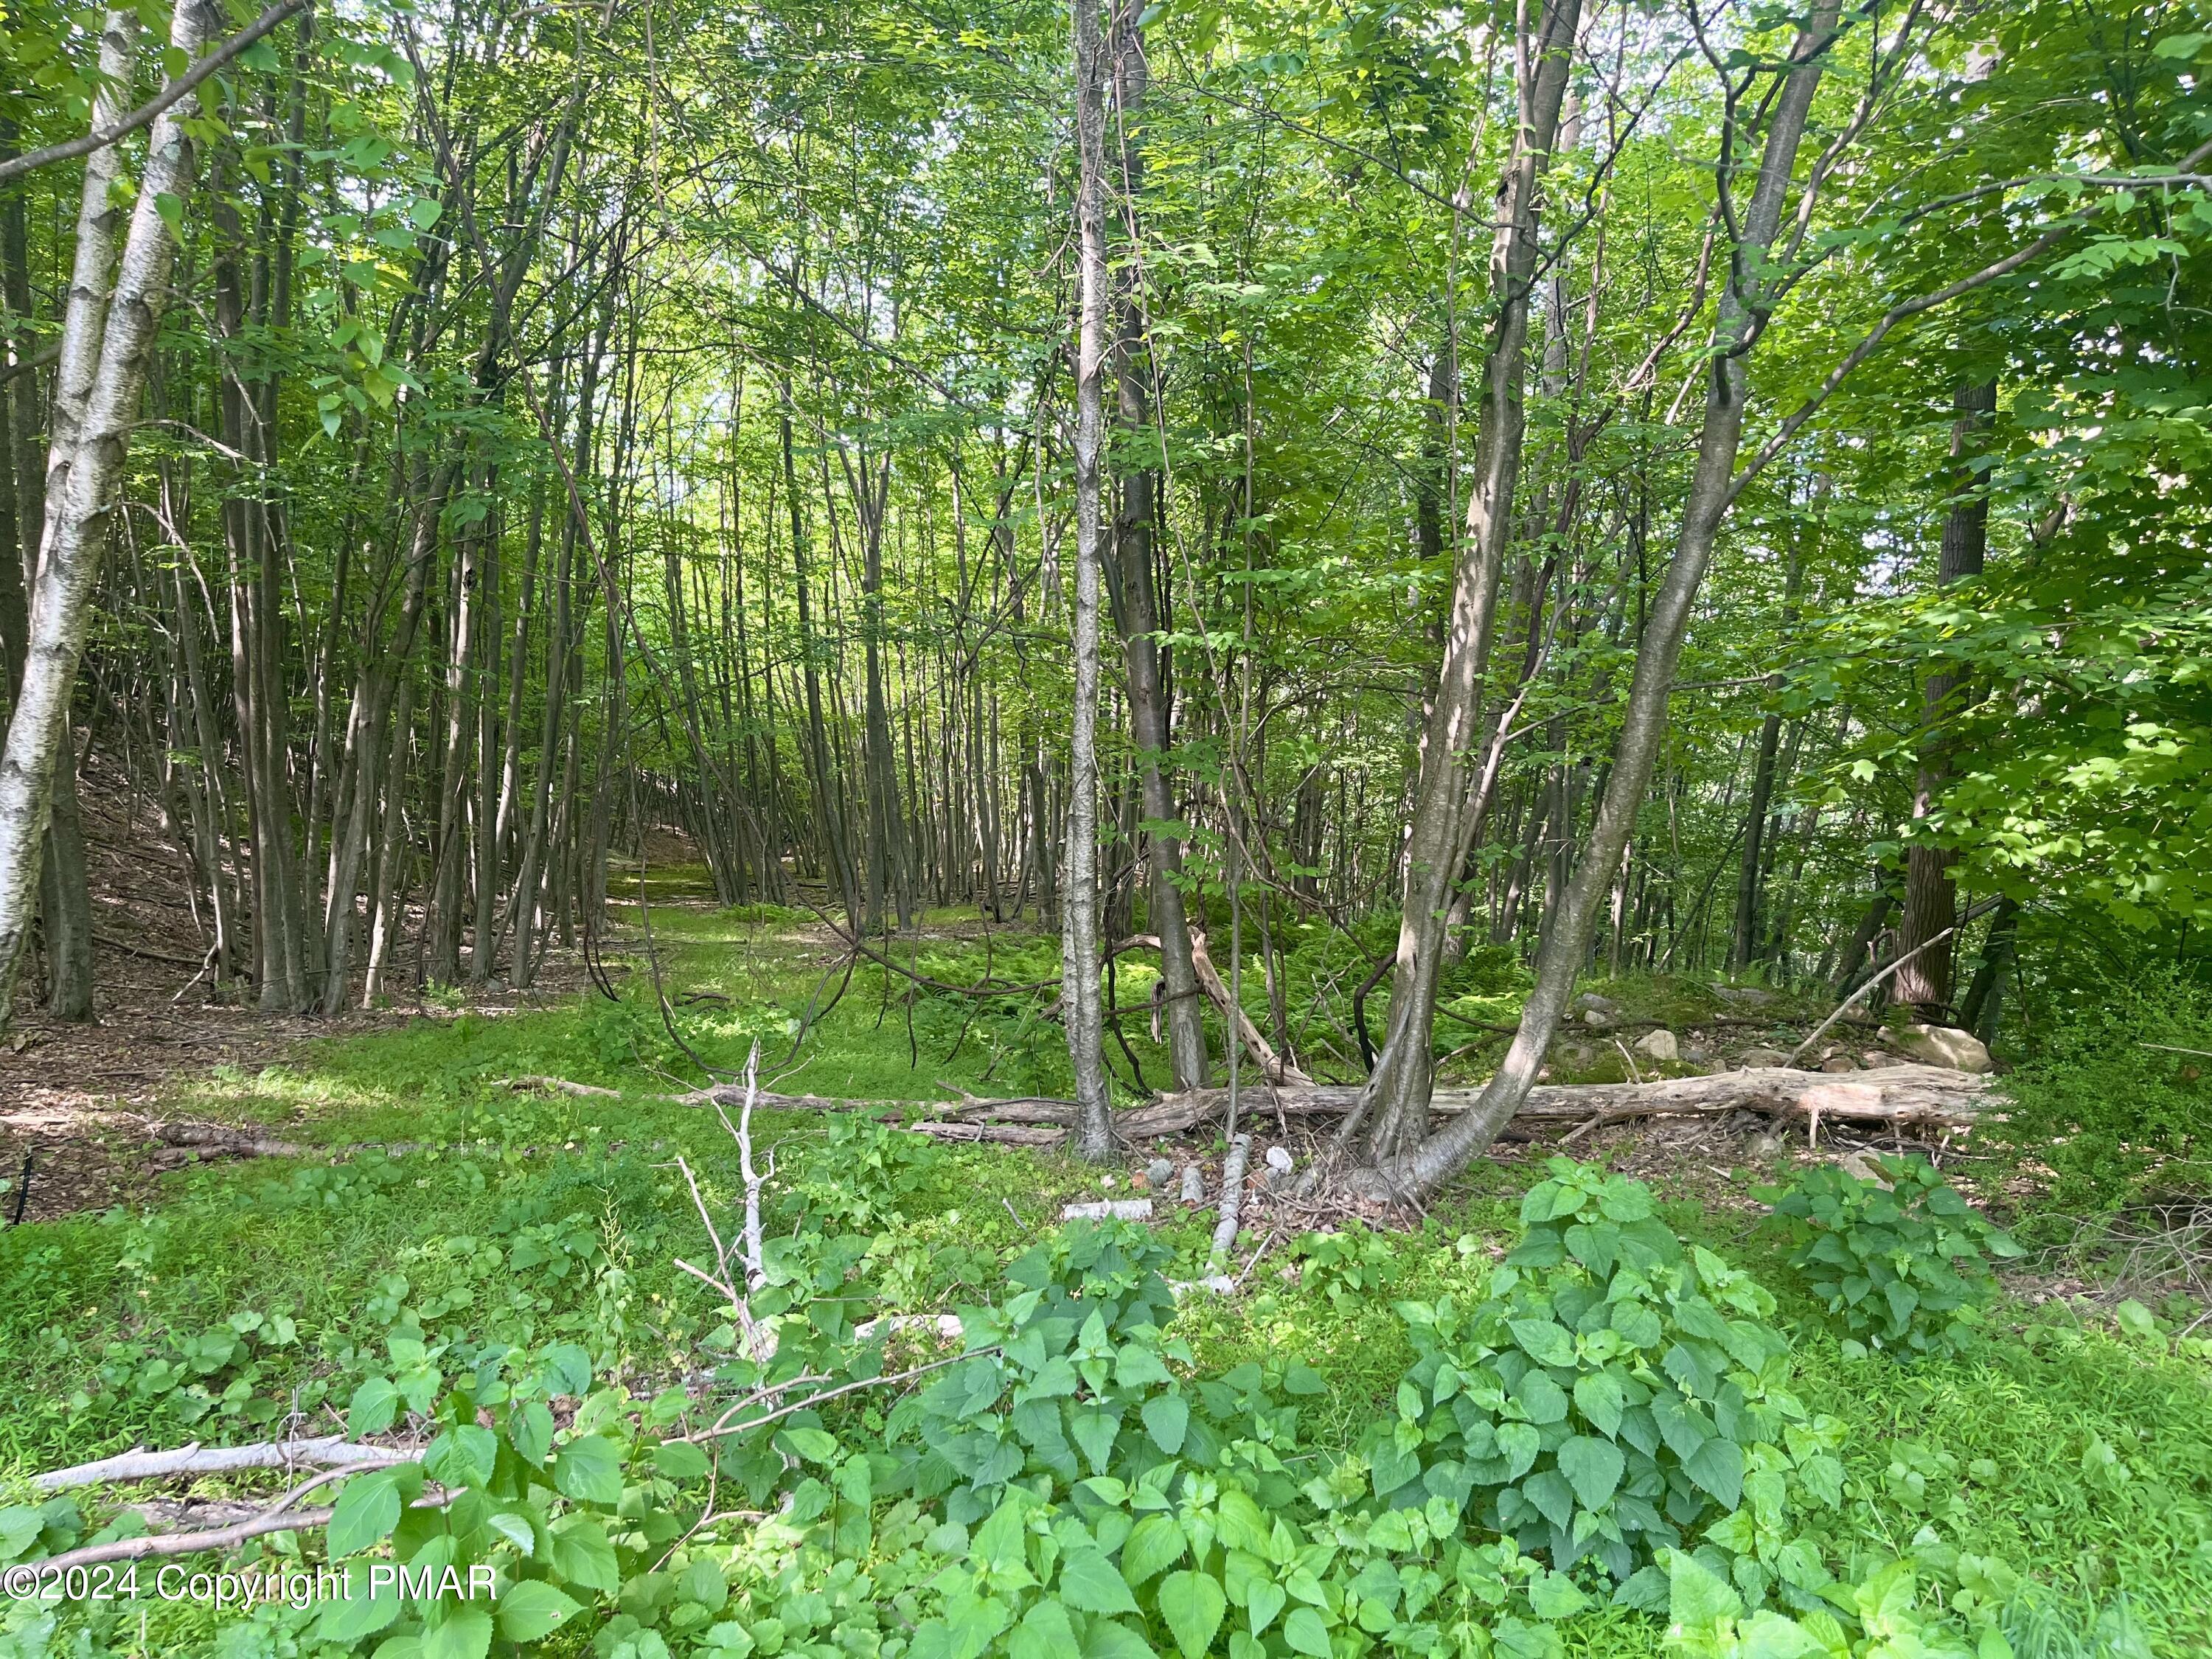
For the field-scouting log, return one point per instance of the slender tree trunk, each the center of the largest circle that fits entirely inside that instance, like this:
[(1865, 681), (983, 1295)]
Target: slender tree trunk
[(1931, 897), (1743, 305), (60, 604), (1143, 653), (1082, 1007), (1397, 1093)]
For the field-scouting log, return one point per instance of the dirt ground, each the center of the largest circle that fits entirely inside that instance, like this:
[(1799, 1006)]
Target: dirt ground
[(75, 1099)]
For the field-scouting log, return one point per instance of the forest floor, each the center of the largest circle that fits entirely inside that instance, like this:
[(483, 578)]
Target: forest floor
[(158, 1298)]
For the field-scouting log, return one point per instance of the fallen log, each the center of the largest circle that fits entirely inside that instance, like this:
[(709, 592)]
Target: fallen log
[(1931, 1097)]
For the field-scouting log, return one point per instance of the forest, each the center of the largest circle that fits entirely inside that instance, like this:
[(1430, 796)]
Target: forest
[(1173, 828)]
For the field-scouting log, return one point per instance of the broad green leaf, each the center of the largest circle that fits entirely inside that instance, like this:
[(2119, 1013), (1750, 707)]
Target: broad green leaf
[(464, 1633), (1599, 1397), (1306, 1633), (375, 1403), (589, 1470), (1593, 1468), (1192, 1603), (532, 1608), (1155, 1544), (366, 1512), (1167, 1419), (1090, 1583), (1717, 1467), (1263, 1600)]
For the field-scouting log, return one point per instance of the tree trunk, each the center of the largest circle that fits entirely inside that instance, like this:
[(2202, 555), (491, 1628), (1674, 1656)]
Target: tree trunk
[(77, 513), (1143, 653), (1742, 311), (1931, 897), (1083, 1008), (1436, 840)]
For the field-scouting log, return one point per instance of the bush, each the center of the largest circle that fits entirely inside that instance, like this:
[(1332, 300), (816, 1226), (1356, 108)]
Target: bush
[(1614, 1391), (1900, 1267), (2111, 1116)]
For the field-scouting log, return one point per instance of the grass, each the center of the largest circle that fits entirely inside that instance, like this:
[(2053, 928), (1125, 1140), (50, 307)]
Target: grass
[(264, 1291)]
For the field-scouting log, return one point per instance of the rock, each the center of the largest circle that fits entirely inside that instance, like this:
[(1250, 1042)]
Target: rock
[(1696, 1053), (1944, 1045), (1661, 1045), (1158, 1173), (1278, 1159), (1194, 1184), (1597, 1019), (1589, 1002), (1859, 1164), (1744, 996), (1757, 1056)]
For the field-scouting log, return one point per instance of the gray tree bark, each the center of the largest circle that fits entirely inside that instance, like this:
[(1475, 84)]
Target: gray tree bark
[(1081, 999), (77, 512), (1396, 1098), (1742, 314)]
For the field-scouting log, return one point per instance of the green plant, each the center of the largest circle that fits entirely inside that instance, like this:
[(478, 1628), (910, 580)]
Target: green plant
[(1615, 1390), (1890, 1614), (1354, 1265), (1901, 1266)]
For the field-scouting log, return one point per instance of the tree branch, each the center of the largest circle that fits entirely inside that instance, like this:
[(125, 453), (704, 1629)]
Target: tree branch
[(188, 82)]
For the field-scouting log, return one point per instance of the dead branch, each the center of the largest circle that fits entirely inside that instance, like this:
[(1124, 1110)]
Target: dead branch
[(326, 1451)]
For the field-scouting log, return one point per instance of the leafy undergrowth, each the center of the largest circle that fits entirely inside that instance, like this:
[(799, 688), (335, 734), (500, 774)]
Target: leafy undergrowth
[(1564, 1416)]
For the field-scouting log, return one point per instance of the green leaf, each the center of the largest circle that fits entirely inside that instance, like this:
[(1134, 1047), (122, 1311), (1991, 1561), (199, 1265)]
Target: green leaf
[(1090, 1583), (1600, 1398), (1109, 1639), (580, 1553), (1593, 1468), (1167, 1419), (375, 1403), (1137, 1366), (532, 1608), (1545, 1342), (367, 1509), (1263, 1600), (463, 1456), (1302, 1379), (347, 1619), (1696, 1598), (530, 1432), (1518, 1443), (1718, 1465), (1306, 1632), (1192, 1603), (589, 1470), (680, 1460), (1155, 1544), (1044, 1633), (464, 1633)]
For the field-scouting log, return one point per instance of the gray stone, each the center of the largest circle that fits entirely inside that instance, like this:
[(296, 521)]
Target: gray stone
[(1194, 1184), (1597, 1019), (1278, 1159), (1158, 1173), (1659, 1045), (1944, 1045), (1757, 1056), (1859, 1164)]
